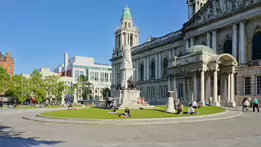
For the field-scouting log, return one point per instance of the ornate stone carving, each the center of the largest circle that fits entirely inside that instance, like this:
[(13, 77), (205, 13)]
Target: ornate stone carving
[(219, 8)]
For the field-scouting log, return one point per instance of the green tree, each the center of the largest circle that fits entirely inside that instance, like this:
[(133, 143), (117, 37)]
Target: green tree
[(51, 85), (37, 86), (4, 80), (85, 85), (60, 88), (19, 89)]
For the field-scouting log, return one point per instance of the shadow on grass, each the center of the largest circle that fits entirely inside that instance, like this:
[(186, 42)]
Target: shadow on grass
[(12, 138)]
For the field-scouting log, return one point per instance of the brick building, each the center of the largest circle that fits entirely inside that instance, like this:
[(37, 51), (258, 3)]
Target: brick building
[(7, 62)]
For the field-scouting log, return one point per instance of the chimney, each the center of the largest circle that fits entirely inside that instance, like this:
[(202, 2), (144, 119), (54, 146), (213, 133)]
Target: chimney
[(65, 63)]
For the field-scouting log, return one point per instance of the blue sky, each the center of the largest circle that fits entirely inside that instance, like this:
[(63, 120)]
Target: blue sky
[(39, 32)]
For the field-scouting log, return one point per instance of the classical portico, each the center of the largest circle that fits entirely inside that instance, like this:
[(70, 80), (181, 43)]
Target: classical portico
[(204, 76)]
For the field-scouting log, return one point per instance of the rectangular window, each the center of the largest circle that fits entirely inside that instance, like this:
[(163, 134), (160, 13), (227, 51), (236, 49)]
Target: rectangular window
[(96, 76), (248, 85), (141, 94), (78, 74), (152, 92), (161, 91), (106, 77), (258, 84), (180, 94), (92, 76), (102, 74), (165, 91), (148, 92)]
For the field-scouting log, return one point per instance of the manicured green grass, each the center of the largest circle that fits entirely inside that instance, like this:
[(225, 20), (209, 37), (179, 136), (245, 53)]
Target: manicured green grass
[(33, 107), (96, 113)]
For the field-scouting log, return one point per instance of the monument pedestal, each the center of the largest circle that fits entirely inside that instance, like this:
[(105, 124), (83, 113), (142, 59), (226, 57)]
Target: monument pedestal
[(215, 104), (129, 98), (231, 104), (170, 105)]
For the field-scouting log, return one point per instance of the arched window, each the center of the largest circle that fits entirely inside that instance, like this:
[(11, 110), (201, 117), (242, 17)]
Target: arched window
[(227, 48), (256, 53), (152, 70), (165, 67), (141, 72), (129, 25)]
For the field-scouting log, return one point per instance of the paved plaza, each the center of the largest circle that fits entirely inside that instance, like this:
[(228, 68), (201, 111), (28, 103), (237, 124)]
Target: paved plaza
[(242, 130)]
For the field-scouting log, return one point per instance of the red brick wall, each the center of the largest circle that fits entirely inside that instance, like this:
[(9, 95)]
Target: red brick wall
[(8, 63)]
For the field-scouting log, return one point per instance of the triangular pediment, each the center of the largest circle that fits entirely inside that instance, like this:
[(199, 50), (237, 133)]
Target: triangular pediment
[(217, 9)]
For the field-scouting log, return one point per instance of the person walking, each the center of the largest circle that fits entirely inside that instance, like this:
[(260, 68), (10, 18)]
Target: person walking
[(255, 105)]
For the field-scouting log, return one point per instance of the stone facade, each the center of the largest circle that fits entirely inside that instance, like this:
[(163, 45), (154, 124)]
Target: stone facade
[(226, 26)]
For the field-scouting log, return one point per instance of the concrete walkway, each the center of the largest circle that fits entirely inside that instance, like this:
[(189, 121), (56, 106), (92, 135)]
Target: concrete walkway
[(229, 113)]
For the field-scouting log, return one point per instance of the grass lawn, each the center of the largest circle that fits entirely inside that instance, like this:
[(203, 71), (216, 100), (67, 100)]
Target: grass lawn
[(33, 107), (96, 113)]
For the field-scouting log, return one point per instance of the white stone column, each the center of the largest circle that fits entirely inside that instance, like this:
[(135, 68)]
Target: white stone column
[(242, 43), (208, 87), (189, 90), (137, 70), (228, 88), (116, 41), (184, 89), (159, 70), (169, 86), (191, 41), (174, 83), (234, 41), (175, 86), (112, 72), (147, 68), (195, 88), (215, 88), (208, 39), (144, 69), (125, 39), (214, 41), (196, 7), (202, 87), (187, 44), (169, 54), (156, 66), (232, 91), (221, 91), (134, 72), (173, 52)]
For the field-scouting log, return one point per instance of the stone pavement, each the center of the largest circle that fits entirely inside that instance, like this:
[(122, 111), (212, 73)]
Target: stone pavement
[(240, 131), (225, 115)]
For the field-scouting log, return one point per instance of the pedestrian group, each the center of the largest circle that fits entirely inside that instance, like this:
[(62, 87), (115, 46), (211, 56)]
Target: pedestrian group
[(247, 103)]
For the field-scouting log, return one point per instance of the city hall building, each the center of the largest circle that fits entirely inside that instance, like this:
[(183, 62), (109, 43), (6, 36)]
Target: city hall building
[(214, 57)]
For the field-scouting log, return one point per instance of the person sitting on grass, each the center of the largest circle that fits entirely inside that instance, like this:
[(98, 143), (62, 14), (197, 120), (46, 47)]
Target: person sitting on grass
[(180, 109), (191, 110), (195, 105), (126, 114)]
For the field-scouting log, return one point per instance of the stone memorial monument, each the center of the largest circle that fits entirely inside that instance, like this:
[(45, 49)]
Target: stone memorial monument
[(126, 93), (171, 98)]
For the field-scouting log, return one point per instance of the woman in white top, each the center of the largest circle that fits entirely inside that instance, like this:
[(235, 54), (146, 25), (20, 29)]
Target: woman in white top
[(191, 110), (247, 104)]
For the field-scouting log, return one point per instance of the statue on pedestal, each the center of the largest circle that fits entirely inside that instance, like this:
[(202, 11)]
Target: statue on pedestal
[(130, 83)]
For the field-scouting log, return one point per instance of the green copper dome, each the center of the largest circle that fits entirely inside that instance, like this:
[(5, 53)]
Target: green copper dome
[(126, 13), (200, 48)]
